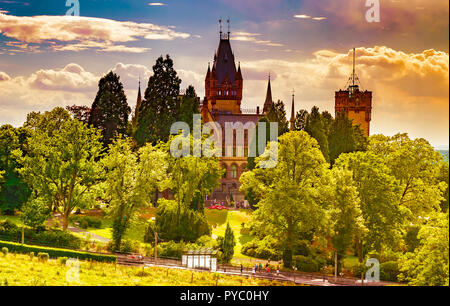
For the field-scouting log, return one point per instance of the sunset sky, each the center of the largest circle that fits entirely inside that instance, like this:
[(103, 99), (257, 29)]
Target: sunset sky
[(48, 59)]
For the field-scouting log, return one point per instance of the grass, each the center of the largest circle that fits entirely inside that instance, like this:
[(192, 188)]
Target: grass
[(21, 270), (14, 219), (350, 261), (219, 219)]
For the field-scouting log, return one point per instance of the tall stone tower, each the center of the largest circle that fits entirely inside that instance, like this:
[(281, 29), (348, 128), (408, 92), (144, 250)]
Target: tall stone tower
[(356, 104), (224, 83)]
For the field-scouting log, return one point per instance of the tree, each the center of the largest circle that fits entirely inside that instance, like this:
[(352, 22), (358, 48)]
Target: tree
[(189, 105), (344, 137), (62, 167), (110, 110), (300, 120), (379, 193), (14, 190), (316, 129), (81, 113), (417, 167), (345, 212), (299, 181), (277, 113), (160, 107), (130, 181), (34, 213), (428, 265), (48, 122), (228, 244)]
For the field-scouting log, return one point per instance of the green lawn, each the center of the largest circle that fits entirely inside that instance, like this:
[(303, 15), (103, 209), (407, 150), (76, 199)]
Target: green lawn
[(13, 219), (219, 218), (135, 232)]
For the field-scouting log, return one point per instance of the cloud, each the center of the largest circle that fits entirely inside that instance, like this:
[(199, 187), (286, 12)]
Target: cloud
[(156, 4), (70, 33), (303, 16), (253, 38), (4, 77)]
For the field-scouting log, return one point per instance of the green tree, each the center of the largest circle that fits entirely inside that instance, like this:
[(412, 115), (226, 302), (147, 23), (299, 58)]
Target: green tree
[(62, 167), (300, 120), (110, 110), (379, 193), (160, 107), (417, 167), (228, 244), (14, 190), (344, 137), (316, 129), (48, 122), (345, 212), (130, 181), (189, 105), (277, 113), (428, 265), (292, 193), (35, 213)]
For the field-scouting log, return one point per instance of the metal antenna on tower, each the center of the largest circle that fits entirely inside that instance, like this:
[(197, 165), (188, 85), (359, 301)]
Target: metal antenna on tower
[(220, 26), (228, 22), (354, 62)]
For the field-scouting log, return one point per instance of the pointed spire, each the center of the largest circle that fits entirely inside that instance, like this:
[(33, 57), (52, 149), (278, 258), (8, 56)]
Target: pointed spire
[(292, 121), (268, 103)]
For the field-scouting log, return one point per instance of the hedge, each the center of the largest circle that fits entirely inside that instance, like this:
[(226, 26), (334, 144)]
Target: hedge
[(55, 253)]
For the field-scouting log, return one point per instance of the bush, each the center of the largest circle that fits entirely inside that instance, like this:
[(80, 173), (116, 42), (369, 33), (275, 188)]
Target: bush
[(192, 224), (306, 264), (5, 251), (43, 256), (55, 253), (31, 255), (389, 271), (267, 248), (62, 261), (126, 246)]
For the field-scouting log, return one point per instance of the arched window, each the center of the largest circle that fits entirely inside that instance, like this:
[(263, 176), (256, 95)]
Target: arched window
[(233, 171)]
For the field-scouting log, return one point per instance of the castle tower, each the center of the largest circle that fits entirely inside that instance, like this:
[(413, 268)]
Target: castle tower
[(224, 83), (268, 103), (356, 104), (138, 103)]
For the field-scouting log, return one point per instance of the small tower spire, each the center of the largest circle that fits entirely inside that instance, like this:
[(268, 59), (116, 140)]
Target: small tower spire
[(354, 64), (293, 110), (268, 103), (228, 33), (220, 27)]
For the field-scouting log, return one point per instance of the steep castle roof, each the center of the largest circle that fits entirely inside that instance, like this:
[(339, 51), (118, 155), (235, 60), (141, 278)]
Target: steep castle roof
[(224, 64)]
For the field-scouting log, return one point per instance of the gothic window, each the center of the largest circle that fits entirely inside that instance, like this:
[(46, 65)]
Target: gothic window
[(233, 173)]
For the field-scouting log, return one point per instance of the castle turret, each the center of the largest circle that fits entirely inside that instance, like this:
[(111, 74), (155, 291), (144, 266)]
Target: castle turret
[(268, 103)]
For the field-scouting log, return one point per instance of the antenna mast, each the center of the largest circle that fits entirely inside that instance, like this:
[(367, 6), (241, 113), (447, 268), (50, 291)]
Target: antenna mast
[(220, 26), (354, 64)]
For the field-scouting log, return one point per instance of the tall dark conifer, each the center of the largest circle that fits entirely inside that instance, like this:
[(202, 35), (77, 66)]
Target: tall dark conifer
[(160, 107), (110, 110)]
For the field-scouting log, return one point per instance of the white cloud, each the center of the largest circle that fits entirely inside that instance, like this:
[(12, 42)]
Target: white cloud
[(253, 38)]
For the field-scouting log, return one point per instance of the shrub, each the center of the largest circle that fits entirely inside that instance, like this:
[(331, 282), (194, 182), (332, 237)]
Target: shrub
[(126, 246), (267, 248), (86, 221), (55, 253), (306, 264), (31, 254), (191, 226), (389, 271), (84, 224), (5, 251), (43, 256), (62, 261)]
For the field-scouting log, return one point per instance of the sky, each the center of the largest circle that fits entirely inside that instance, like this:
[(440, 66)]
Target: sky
[(48, 59)]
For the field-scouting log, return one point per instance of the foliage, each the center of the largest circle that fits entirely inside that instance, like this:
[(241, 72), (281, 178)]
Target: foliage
[(228, 245), (344, 137), (130, 181), (93, 222), (428, 265), (189, 105), (306, 264), (267, 248), (416, 166), (110, 110), (61, 165), (389, 271), (190, 225), (160, 106), (81, 113), (35, 213), (345, 212), (299, 181), (55, 253), (378, 193), (277, 113)]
